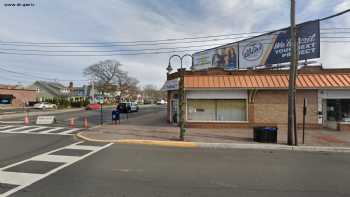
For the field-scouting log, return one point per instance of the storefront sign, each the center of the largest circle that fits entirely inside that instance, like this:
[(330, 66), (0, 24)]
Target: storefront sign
[(222, 57), (171, 85), (275, 47)]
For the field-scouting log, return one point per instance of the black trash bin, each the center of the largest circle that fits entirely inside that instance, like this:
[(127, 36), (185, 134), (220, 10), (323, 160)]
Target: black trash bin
[(265, 134)]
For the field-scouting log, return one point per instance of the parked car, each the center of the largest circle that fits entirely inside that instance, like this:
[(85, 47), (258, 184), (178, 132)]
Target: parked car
[(45, 105), (161, 102), (127, 107), (93, 106)]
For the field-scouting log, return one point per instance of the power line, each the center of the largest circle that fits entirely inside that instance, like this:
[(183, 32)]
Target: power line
[(122, 45), (34, 76), (110, 51), (141, 43), (132, 54), (335, 15), (135, 50)]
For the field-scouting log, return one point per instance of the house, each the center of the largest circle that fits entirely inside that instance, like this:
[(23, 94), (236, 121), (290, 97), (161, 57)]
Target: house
[(12, 96), (49, 90), (246, 98)]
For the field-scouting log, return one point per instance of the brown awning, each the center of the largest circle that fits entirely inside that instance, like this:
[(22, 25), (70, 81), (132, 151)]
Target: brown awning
[(269, 81)]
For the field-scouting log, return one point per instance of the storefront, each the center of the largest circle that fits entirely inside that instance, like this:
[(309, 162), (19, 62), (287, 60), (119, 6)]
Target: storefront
[(335, 107), (13, 97), (218, 98)]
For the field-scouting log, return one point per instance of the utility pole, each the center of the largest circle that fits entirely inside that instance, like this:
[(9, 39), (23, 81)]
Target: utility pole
[(292, 79)]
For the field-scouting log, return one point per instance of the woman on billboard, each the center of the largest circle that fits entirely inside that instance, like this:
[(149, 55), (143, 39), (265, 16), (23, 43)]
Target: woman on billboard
[(230, 58)]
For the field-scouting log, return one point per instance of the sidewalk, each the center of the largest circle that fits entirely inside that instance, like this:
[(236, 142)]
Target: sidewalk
[(154, 127)]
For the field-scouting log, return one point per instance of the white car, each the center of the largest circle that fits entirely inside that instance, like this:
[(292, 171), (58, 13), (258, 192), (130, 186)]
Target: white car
[(45, 105), (161, 102)]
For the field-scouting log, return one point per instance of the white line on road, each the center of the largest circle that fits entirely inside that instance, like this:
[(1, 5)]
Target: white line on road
[(50, 130), (25, 179), (34, 129), (16, 129), (9, 126), (70, 131)]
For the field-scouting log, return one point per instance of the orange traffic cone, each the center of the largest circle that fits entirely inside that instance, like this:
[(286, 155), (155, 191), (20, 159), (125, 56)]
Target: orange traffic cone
[(71, 122), (26, 119), (86, 125)]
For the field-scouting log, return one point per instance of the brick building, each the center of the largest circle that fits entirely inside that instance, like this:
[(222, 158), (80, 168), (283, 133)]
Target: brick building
[(246, 98), (12, 96)]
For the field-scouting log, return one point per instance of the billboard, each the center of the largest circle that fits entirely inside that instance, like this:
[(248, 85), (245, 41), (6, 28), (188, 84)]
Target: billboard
[(275, 47), (223, 57)]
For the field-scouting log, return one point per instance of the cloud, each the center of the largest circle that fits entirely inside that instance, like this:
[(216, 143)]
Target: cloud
[(130, 20)]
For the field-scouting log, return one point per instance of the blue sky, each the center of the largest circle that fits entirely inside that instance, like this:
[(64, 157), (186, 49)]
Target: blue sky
[(130, 20)]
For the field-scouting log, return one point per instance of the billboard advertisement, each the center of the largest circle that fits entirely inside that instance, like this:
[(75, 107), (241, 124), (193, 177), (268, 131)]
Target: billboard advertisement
[(275, 47), (222, 57)]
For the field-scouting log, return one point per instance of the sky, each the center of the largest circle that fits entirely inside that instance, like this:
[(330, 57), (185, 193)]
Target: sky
[(67, 21)]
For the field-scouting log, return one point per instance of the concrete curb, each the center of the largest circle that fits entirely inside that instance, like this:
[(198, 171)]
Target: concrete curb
[(275, 147), (143, 142), (223, 145)]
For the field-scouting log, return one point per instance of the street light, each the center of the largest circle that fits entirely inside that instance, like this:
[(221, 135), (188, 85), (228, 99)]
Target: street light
[(181, 92)]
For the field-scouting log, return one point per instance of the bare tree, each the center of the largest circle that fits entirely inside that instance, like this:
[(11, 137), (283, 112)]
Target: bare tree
[(152, 93), (111, 78), (106, 73)]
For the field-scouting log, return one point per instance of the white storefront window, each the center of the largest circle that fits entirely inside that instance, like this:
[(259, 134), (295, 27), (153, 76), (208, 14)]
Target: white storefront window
[(233, 110)]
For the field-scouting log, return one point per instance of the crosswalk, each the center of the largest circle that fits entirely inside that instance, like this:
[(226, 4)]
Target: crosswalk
[(20, 175), (35, 129)]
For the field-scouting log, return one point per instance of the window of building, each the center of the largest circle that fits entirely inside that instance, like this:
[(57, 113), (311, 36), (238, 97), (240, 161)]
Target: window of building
[(6, 99), (216, 110), (338, 109)]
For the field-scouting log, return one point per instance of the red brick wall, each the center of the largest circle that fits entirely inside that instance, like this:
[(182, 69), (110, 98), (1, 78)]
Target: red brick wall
[(20, 96)]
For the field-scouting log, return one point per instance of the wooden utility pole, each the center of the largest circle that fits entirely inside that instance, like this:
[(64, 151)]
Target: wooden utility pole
[(292, 78)]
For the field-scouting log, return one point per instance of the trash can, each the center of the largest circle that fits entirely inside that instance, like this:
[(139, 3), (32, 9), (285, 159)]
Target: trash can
[(265, 134)]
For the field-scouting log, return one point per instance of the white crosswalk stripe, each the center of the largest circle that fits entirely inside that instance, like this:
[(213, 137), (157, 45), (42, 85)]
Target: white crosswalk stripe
[(38, 130), (21, 180)]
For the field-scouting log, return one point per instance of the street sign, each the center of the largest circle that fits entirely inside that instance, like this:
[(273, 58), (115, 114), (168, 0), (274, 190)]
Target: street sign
[(45, 120)]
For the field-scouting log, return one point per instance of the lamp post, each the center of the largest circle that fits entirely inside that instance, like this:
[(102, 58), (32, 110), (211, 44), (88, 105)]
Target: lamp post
[(181, 91)]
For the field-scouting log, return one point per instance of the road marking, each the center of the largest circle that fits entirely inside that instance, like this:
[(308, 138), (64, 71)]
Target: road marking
[(56, 158), (16, 128), (69, 131), (50, 130), (36, 130), (83, 147), (26, 179), (17, 178), (11, 122), (9, 126)]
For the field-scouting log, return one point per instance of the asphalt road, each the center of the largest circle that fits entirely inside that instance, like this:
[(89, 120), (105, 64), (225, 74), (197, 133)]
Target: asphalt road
[(148, 171), (18, 147), (38, 165), (93, 116)]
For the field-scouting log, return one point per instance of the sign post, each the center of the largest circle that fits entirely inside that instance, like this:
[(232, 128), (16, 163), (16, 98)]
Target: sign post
[(101, 109), (304, 117)]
